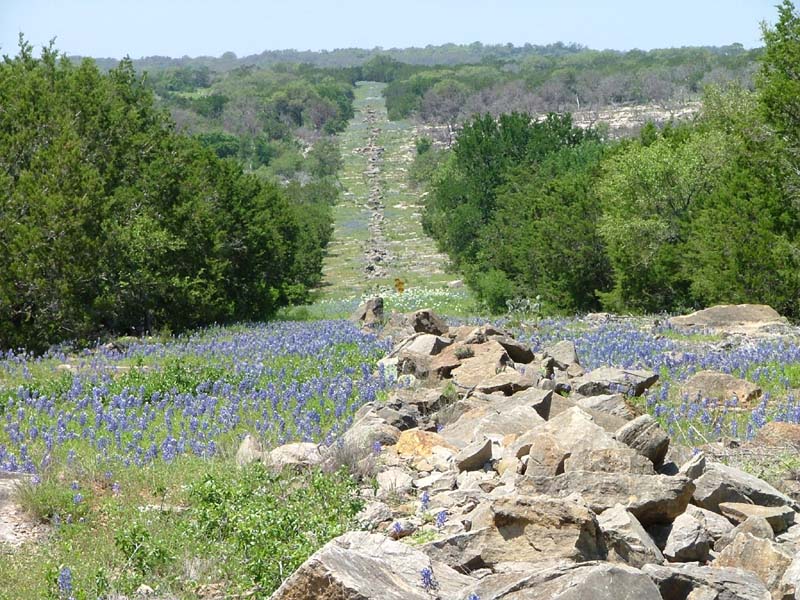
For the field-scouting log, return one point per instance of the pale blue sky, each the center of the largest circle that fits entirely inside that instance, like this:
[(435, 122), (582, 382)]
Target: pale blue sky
[(112, 28)]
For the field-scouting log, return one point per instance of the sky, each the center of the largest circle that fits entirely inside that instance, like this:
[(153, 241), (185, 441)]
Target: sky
[(137, 28)]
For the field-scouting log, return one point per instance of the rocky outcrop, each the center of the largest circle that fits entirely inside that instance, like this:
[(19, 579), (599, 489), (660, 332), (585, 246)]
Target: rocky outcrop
[(492, 483), (730, 318)]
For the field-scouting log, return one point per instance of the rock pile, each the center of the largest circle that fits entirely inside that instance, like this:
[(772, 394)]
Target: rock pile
[(505, 473), (376, 254)]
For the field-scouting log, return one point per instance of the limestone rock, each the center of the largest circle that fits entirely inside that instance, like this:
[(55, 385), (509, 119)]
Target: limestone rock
[(365, 433), (683, 540), (716, 525), (426, 321), (297, 454), (755, 526), (474, 456), (420, 444), (626, 539), (563, 353), (517, 351), (684, 581), (373, 514), (730, 318), (370, 313), (721, 387), (613, 404), (365, 566), (776, 433), (489, 359), (250, 450), (721, 483), (780, 518), (645, 435), (611, 380), (762, 557), (524, 529), (651, 498), (393, 482), (427, 344)]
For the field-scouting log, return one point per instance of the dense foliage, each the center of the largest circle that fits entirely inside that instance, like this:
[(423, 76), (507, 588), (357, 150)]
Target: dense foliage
[(578, 80), (112, 221), (683, 216)]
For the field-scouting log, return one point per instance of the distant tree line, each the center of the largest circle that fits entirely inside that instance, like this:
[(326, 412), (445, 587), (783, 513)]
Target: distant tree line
[(681, 216), (111, 221)]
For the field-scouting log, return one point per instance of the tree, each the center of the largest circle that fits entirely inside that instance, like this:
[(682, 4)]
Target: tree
[(779, 79)]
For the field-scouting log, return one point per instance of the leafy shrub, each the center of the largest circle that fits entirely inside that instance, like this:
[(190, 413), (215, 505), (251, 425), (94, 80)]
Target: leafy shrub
[(273, 522)]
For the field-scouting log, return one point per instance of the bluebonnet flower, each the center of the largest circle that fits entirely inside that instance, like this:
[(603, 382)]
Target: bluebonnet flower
[(64, 582), (429, 582), (424, 501), (77, 498), (441, 518), (377, 447)]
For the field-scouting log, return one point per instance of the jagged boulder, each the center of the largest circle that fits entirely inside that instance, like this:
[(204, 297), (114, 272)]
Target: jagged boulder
[(366, 566), (612, 380), (780, 518), (626, 539), (294, 455), (689, 582), (370, 313), (524, 529), (651, 498), (250, 450), (645, 435), (763, 557), (568, 581), (730, 318), (683, 540), (721, 387), (721, 483)]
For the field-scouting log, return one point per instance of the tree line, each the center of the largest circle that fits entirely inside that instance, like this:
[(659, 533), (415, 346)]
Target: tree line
[(113, 221), (681, 216)]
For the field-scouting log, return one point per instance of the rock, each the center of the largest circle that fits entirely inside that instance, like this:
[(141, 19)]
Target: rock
[(682, 582), (780, 518), (651, 498), (564, 354), (611, 380), (507, 382), (608, 460), (572, 441), (694, 467), (373, 514), (298, 454), (626, 539), (791, 578), (721, 483), (428, 344), (755, 526), (491, 418), (365, 433), (645, 435), (393, 482), (250, 450), (524, 529), (489, 360), (721, 387), (741, 318), (426, 321), (415, 363), (568, 581), (366, 566), (538, 400), (517, 351), (762, 557), (684, 540), (613, 404), (482, 334), (716, 525), (420, 444), (370, 313), (778, 434), (474, 456)]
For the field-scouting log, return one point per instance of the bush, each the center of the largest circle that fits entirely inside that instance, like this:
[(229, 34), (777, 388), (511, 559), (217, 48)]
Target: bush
[(274, 522)]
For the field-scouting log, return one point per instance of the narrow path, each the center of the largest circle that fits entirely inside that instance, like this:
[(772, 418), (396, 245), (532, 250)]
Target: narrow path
[(378, 234)]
